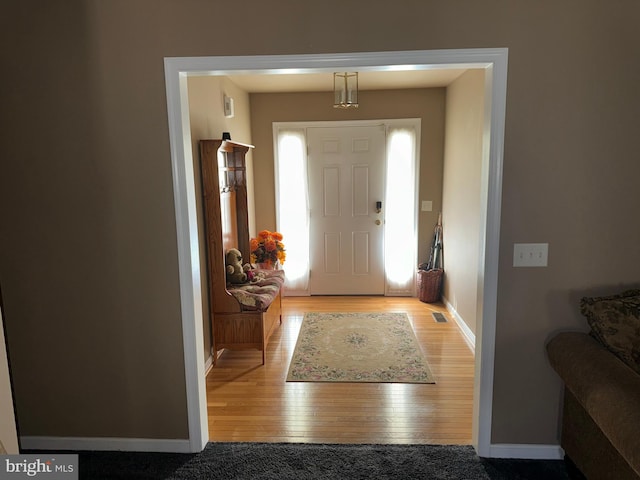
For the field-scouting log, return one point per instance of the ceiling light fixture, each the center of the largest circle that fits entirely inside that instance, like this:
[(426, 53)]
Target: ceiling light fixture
[(345, 90)]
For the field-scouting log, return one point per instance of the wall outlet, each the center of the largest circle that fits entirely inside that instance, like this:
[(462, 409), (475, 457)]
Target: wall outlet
[(427, 205), (530, 254)]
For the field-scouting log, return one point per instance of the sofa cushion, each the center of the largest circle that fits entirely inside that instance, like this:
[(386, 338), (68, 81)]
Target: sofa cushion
[(259, 293), (607, 389), (615, 323)]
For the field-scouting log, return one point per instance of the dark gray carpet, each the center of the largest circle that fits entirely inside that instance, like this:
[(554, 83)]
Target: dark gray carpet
[(310, 461), (267, 461)]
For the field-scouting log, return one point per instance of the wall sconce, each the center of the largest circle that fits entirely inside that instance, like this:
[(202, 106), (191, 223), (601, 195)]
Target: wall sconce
[(228, 106), (345, 90)]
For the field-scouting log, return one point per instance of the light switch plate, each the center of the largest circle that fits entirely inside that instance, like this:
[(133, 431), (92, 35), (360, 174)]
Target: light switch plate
[(427, 205), (530, 254)]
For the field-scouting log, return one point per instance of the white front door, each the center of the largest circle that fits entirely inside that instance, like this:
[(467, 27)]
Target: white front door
[(346, 233)]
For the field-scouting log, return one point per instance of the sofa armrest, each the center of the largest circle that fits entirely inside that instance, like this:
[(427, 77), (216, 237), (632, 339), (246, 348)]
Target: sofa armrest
[(607, 389)]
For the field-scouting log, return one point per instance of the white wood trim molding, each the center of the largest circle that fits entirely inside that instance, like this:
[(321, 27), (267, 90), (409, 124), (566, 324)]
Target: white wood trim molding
[(188, 254), (492, 60), (527, 451), (469, 336), (408, 122), (491, 198), (106, 444)]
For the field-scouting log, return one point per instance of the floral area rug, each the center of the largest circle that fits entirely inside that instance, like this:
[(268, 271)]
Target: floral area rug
[(358, 347)]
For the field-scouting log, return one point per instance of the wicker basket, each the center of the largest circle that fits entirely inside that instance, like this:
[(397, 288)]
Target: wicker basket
[(430, 285)]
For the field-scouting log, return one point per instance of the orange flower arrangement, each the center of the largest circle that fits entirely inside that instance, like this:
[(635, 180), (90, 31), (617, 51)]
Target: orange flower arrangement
[(267, 248)]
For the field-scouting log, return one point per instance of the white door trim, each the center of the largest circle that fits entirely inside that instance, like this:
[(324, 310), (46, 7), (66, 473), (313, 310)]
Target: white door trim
[(409, 122), (494, 61)]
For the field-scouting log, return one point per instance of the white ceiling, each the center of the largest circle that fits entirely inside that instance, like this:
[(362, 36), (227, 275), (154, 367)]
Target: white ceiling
[(367, 80)]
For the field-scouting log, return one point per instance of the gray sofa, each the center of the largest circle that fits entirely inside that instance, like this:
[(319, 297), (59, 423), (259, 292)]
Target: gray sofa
[(601, 373)]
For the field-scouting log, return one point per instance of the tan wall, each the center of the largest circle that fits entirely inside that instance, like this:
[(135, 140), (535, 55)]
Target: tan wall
[(88, 254), (427, 104), (207, 121), (461, 193), (8, 434)]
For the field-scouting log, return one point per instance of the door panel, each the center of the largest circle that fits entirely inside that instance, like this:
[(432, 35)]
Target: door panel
[(331, 191), (332, 253), (361, 260), (360, 189), (346, 179)]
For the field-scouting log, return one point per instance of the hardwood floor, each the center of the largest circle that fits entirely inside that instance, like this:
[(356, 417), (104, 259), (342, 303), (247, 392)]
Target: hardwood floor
[(248, 402)]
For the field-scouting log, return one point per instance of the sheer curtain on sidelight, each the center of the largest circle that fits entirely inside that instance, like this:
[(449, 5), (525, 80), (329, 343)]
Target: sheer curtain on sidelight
[(400, 211), (292, 207)]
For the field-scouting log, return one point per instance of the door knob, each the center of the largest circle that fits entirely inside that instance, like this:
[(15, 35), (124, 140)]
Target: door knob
[(378, 222)]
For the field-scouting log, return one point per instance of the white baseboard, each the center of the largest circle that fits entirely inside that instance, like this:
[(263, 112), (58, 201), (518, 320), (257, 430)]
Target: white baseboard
[(295, 293), (469, 336), (526, 451), (106, 444)]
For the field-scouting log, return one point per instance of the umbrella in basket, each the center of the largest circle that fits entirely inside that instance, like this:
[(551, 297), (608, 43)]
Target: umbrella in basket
[(430, 274), (435, 257)]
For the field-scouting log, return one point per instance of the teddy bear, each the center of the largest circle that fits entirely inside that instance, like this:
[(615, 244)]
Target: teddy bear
[(235, 270)]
